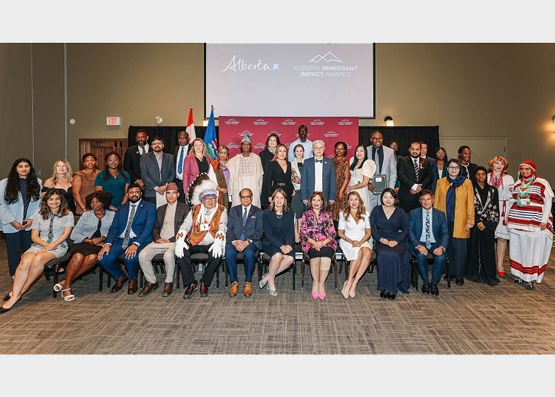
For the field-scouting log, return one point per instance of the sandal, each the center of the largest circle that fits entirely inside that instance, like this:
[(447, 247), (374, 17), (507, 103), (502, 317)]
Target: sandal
[(68, 298), (58, 287)]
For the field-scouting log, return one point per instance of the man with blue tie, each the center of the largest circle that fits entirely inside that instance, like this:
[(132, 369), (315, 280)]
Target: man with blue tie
[(428, 234), (130, 232), (244, 232), (179, 152), (318, 175)]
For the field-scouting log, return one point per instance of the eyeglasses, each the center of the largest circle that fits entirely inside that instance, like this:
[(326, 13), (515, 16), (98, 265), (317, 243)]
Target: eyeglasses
[(211, 197), (246, 197), (454, 167)]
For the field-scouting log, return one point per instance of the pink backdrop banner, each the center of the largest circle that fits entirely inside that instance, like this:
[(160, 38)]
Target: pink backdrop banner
[(329, 129)]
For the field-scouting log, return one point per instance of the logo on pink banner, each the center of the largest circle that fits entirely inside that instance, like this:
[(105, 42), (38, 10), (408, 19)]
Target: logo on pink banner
[(329, 129)]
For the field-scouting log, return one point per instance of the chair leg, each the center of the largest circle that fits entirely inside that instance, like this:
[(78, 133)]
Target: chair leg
[(335, 271), (302, 273), (177, 273), (448, 268)]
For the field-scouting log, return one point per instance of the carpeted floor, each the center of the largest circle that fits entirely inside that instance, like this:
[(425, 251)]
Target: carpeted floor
[(468, 320)]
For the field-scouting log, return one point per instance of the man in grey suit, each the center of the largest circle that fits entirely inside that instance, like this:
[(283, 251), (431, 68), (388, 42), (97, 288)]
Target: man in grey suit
[(244, 231), (318, 175), (157, 170), (384, 158)]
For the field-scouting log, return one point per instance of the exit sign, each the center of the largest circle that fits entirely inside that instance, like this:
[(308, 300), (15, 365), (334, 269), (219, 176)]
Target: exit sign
[(113, 121)]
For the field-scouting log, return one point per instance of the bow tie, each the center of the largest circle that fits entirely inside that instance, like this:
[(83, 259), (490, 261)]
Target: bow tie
[(318, 161)]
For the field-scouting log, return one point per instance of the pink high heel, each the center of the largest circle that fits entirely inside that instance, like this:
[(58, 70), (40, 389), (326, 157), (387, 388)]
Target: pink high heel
[(322, 295), (315, 295)]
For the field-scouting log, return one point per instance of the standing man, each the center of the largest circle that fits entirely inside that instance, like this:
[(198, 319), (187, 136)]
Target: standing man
[(179, 152), (245, 170), (169, 218), (303, 140), (244, 234), (131, 161), (130, 232), (384, 158), (433, 165), (157, 170), (318, 175), (467, 168), (414, 174), (428, 234)]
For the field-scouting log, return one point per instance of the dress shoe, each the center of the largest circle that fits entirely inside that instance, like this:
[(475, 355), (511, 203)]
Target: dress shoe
[(119, 283), (247, 289), (382, 294), (168, 289), (190, 291), (425, 287), (147, 288), (203, 290), (132, 286), (460, 282), (233, 288), (434, 289), (391, 296)]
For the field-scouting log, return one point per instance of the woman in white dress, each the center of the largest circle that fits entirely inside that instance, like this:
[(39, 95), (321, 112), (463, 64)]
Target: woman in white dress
[(355, 241), (504, 183), (362, 170)]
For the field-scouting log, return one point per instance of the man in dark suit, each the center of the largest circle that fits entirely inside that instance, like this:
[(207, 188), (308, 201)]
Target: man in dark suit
[(414, 175), (130, 232), (428, 234), (433, 164), (132, 158), (157, 170), (244, 232), (169, 218), (318, 175), (179, 152)]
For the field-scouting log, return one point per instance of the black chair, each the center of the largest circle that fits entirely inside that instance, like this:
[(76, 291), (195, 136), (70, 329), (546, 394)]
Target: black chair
[(160, 267), (264, 262), (415, 275)]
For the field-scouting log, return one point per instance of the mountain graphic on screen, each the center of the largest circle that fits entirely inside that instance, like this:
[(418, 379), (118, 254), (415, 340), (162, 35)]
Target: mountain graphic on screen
[(329, 57)]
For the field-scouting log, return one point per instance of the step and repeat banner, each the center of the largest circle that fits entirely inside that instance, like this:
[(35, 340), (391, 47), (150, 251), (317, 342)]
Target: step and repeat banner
[(329, 129)]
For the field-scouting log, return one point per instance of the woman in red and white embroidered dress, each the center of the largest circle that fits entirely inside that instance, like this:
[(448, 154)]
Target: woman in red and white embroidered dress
[(504, 183), (530, 226)]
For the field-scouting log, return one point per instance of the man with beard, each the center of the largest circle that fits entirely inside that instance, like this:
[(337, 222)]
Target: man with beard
[(384, 158), (157, 170), (132, 159), (414, 174), (245, 170)]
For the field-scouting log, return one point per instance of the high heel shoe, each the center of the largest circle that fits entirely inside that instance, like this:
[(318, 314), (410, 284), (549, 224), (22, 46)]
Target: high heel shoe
[(501, 274), (262, 283), (322, 295), (352, 293), (57, 287), (7, 297), (5, 310), (344, 292), (315, 295)]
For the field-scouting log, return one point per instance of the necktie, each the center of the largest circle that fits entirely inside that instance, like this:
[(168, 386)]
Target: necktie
[(242, 237), (416, 168), (180, 161), (125, 243), (428, 232), (141, 150)]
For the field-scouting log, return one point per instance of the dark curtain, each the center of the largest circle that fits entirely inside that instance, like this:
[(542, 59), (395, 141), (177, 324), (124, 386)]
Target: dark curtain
[(168, 134), (404, 136)]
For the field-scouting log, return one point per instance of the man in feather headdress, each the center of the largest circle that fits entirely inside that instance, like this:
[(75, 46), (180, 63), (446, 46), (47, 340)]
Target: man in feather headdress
[(203, 231)]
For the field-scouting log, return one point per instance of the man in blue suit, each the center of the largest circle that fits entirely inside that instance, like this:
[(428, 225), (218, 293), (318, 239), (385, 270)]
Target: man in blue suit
[(428, 233), (318, 175), (244, 231), (130, 232)]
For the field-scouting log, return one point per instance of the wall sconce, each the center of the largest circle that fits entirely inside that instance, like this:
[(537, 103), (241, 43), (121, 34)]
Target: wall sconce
[(389, 121), (159, 120)]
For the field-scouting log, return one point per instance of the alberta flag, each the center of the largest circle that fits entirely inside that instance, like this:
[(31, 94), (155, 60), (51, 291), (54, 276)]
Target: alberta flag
[(191, 126), (210, 137)]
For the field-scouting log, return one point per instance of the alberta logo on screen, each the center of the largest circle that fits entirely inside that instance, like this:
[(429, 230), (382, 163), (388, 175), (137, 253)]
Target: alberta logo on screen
[(288, 122), (317, 122), (329, 57), (231, 121), (345, 122), (328, 65), (240, 65), (331, 134), (260, 122)]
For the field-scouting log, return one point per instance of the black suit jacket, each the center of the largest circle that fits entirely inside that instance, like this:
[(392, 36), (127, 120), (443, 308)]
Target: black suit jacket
[(180, 214), (407, 177), (132, 162), (253, 229)]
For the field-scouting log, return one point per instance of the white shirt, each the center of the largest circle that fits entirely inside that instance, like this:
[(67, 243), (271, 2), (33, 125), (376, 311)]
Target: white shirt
[(319, 175), (144, 148), (423, 236), (131, 205)]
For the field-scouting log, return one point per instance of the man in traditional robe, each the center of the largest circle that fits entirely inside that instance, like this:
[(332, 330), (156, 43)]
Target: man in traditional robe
[(245, 170)]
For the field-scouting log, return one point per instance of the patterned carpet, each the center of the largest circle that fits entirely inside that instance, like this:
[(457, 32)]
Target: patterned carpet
[(474, 319)]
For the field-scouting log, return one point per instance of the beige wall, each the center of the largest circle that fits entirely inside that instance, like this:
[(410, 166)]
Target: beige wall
[(467, 89)]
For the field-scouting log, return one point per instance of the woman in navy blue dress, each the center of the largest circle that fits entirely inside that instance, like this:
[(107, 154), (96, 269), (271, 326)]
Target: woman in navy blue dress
[(390, 228)]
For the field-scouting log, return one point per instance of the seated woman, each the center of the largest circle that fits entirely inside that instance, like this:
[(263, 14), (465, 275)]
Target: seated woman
[(49, 231), (113, 180), (356, 241), (62, 177), (390, 229), (480, 257), (318, 241), (89, 234), (277, 240)]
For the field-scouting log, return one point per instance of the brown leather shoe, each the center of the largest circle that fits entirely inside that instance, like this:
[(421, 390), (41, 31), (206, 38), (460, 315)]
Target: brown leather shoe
[(233, 288), (190, 291), (147, 288), (132, 287), (168, 289), (247, 289), (203, 290), (119, 283)]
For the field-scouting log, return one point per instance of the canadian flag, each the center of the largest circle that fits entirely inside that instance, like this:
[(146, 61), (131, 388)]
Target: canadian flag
[(191, 126)]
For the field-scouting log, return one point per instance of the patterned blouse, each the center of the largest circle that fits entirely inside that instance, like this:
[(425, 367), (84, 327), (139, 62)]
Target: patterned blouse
[(341, 165), (317, 229)]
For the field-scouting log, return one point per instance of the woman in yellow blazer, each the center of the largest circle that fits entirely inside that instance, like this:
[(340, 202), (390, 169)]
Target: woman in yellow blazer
[(455, 197)]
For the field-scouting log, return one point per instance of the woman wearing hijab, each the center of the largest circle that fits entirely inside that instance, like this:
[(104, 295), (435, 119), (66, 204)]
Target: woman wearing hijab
[(480, 257), (455, 197), (530, 226)]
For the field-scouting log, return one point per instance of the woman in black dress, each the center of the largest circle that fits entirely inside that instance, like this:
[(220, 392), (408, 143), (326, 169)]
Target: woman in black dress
[(61, 179), (277, 241), (278, 175), (266, 156), (390, 229), (480, 247)]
